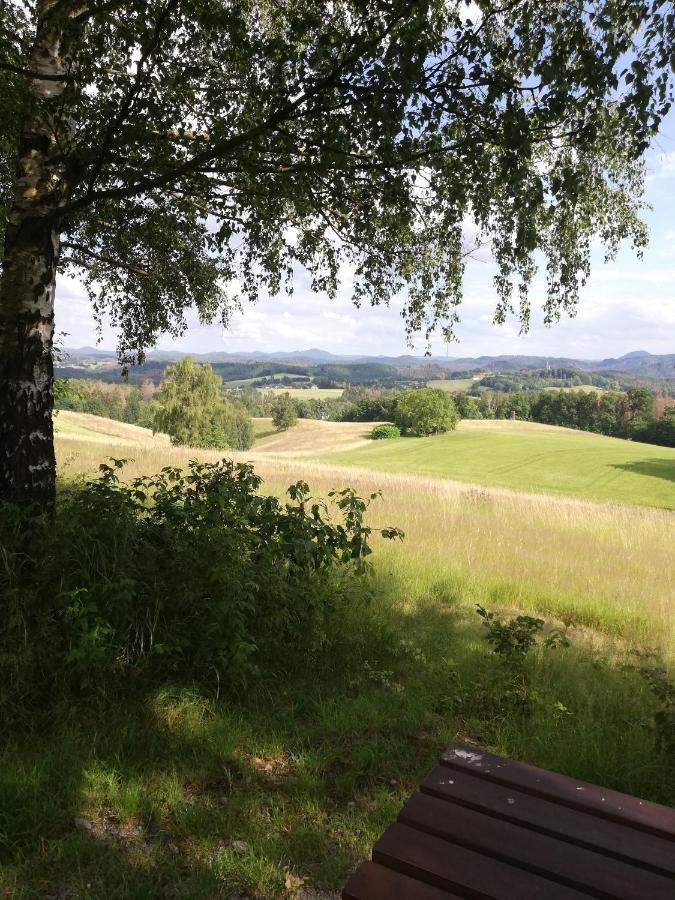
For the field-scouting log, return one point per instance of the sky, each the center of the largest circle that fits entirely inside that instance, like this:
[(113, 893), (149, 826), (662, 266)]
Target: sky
[(627, 305)]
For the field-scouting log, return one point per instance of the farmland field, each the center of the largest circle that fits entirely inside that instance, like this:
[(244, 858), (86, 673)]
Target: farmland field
[(306, 393), (245, 382), (451, 384), (279, 792), (69, 426), (525, 456), (587, 388), (608, 562), (520, 456)]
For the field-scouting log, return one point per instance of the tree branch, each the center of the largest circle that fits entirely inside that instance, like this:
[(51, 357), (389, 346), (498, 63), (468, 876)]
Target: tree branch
[(222, 148), (29, 73), (100, 257)]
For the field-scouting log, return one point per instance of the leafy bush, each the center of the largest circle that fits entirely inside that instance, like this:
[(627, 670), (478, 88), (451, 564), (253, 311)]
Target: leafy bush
[(515, 638), (425, 411), (663, 688), (384, 432), (180, 574)]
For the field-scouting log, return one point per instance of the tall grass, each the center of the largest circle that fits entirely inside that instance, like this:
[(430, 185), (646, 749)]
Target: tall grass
[(167, 791), (598, 564)]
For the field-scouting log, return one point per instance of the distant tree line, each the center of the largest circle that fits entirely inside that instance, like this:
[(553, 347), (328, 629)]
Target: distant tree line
[(636, 414), (260, 404), (536, 379), (122, 402), (562, 377)]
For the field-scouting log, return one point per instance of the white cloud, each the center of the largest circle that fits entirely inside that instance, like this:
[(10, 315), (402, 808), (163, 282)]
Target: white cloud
[(661, 166), (627, 305), (471, 11), (74, 316), (620, 310)]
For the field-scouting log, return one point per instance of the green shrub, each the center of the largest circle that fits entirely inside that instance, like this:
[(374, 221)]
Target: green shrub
[(425, 411), (515, 638), (177, 575), (384, 432)]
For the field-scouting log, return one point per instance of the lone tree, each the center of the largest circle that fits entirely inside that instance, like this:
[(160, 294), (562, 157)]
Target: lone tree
[(425, 411), (191, 408), (168, 150), (284, 412)]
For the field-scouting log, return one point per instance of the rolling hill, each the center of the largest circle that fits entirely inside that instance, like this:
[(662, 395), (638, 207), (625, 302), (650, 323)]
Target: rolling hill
[(525, 456), (639, 363), (520, 456)]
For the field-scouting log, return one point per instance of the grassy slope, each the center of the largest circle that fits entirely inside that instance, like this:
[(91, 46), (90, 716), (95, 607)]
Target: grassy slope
[(245, 382), (307, 393), (528, 457), (603, 564), (586, 388), (191, 798), (451, 384), (70, 426), (310, 436)]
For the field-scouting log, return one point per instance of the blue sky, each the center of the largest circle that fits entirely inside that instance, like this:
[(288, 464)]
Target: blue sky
[(627, 305)]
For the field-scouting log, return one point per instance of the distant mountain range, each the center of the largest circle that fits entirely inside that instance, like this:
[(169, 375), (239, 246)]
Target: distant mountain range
[(638, 362)]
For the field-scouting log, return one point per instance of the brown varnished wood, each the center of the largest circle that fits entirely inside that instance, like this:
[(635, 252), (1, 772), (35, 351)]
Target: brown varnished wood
[(561, 789), (550, 857), (465, 872), (374, 882), (483, 826), (593, 832)]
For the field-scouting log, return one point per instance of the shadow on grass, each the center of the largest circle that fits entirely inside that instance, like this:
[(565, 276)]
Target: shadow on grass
[(657, 468), (270, 432), (166, 792)]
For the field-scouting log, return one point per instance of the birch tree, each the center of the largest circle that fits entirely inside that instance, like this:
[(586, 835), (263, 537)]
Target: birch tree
[(185, 154)]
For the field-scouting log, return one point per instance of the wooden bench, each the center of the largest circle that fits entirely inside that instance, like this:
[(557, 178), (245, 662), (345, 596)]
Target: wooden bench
[(482, 826)]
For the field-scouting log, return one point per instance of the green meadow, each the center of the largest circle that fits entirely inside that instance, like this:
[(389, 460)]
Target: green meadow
[(187, 790), (524, 456)]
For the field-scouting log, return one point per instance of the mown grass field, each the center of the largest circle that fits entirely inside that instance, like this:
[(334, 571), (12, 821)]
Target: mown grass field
[(587, 388), (601, 561), (96, 430), (280, 792), (298, 393), (245, 382), (451, 384), (309, 437), (525, 456), (307, 393)]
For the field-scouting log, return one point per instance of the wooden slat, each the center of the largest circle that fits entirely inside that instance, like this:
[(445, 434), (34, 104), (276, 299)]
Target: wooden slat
[(456, 869), (373, 882), (570, 792), (593, 832), (547, 856)]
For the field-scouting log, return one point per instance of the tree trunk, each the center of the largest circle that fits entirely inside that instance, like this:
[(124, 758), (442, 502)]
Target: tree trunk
[(30, 256), (27, 463)]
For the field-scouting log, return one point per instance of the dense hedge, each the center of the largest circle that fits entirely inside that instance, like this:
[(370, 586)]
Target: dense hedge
[(189, 575)]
